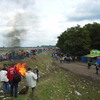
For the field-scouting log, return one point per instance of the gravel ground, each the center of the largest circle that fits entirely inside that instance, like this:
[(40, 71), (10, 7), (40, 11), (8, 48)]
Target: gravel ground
[(80, 69)]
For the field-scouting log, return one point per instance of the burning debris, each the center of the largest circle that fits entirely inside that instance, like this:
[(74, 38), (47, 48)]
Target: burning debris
[(21, 68)]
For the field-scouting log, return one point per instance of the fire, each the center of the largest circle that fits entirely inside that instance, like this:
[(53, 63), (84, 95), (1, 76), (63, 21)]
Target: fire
[(21, 68)]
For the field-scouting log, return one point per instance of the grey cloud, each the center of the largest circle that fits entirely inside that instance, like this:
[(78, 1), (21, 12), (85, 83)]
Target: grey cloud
[(23, 3), (85, 17), (88, 10), (11, 5)]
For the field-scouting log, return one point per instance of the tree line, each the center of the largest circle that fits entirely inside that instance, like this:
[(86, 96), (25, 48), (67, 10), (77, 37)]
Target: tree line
[(78, 40)]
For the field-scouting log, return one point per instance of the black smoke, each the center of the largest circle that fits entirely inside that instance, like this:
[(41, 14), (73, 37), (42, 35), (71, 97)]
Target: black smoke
[(14, 37), (16, 31)]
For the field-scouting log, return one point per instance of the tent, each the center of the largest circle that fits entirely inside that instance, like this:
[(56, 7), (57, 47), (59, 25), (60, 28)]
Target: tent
[(93, 53)]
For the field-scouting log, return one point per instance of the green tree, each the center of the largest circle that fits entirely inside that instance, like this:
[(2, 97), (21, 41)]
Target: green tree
[(94, 32), (75, 41)]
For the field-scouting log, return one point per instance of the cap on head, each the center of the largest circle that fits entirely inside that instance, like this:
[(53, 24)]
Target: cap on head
[(29, 69)]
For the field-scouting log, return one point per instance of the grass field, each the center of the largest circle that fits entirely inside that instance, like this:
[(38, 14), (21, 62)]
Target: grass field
[(58, 84)]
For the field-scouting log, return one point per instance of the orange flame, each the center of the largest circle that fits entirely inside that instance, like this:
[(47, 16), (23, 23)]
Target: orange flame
[(21, 68)]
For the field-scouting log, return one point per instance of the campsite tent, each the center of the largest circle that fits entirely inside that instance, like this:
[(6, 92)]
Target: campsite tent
[(93, 54)]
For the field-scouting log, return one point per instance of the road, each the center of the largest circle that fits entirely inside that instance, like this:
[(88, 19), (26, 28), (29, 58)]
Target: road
[(80, 69)]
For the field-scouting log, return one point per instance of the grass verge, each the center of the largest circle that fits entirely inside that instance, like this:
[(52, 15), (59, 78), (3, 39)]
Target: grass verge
[(58, 84)]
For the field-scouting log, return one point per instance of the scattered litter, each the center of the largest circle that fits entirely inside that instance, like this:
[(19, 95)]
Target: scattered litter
[(55, 72), (1, 91), (98, 91), (6, 98), (87, 92), (1, 96), (73, 86), (51, 97), (70, 92), (83, 87), (54, 86), (84, 81), (58, 90), (76, 92)]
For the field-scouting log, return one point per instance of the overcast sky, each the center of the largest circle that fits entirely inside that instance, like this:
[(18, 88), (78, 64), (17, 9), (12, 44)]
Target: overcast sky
[(40, 22)]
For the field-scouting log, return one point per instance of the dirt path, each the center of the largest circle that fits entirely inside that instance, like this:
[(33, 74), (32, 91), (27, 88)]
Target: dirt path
[(80, 69)]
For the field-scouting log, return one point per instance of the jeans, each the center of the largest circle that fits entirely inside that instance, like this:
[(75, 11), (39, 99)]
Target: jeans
[(14, 89), (6, 87)]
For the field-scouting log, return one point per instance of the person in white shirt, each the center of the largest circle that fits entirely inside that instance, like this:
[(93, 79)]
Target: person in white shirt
[(4, 80), (31, 79)]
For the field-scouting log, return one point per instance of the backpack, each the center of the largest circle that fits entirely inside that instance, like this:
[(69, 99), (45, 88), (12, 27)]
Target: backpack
[(16, 78), (23, 91), (35, 70)]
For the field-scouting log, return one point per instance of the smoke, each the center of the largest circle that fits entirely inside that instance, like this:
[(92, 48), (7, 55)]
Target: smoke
[(15, 36), (20, 22), (17, 31)]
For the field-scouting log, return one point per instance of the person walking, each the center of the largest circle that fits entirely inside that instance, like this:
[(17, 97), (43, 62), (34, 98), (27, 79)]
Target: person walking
[(31, 79), (14, 85)]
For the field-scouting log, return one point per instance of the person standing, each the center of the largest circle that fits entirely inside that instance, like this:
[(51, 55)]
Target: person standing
[(31, 79), (4, 80), (97, 68), (37, 72), (14, 85)]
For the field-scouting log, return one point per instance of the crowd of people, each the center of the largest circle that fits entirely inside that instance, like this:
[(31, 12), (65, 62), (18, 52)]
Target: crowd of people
[(63, 58), (21, 54), (10, 76), (17, 54), (67, 58), (10, 81)]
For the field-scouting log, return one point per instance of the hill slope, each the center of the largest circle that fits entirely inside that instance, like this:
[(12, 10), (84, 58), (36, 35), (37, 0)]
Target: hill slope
[(58, 84)]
